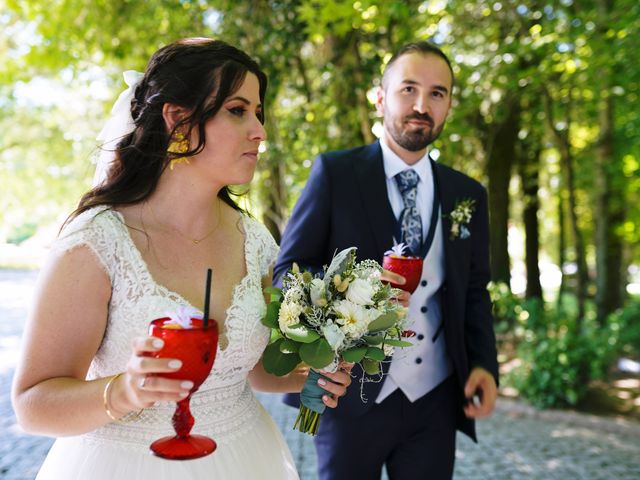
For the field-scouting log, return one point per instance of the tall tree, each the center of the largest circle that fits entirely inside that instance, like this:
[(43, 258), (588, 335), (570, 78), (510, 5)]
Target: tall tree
[(528, 155), (560, 131), (609, 203)]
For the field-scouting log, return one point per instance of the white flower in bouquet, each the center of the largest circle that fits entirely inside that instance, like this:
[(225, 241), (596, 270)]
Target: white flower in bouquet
[(354, 318), (360, 292), (334, 336), (388, 350), (294, 295), (289, 315), (318, 293)]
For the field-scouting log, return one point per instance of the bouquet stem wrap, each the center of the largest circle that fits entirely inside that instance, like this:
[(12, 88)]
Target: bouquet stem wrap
[(311, 406)]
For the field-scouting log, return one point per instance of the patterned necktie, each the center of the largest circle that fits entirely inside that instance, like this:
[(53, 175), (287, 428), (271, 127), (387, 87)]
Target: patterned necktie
[(410, 221)]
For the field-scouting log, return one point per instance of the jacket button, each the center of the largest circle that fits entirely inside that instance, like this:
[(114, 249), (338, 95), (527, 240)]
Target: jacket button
[(423, 283), (418, 360), (420, 337), (424, 309)]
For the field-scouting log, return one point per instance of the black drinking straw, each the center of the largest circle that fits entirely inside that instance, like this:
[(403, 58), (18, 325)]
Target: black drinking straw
[(207, 297)]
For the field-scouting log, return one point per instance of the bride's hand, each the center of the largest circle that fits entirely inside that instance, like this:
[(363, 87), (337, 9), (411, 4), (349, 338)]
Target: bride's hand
[(138, 387), (337, 386)]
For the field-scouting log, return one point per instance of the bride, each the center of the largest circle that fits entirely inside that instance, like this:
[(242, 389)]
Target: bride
[(137, 247)]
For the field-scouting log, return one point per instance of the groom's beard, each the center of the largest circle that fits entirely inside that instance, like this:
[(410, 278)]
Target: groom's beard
[(411, 138)]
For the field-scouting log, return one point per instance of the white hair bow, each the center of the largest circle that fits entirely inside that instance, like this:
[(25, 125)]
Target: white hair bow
[(119, 124)]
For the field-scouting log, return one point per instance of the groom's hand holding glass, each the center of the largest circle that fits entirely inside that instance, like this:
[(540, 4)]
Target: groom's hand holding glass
[(403, 297)]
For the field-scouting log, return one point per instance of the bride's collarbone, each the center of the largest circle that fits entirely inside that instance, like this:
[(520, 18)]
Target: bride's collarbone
[(186, 273), (182, 267)]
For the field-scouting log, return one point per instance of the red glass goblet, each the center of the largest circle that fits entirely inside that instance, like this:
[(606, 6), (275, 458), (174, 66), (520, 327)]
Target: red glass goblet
[(196, 348), (409, 267)]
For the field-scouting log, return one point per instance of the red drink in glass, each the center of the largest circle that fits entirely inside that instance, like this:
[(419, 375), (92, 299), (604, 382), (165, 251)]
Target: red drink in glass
[(409, 267), (196, 348)]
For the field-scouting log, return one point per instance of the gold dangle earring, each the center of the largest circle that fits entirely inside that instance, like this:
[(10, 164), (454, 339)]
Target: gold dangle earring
[(178, 145)]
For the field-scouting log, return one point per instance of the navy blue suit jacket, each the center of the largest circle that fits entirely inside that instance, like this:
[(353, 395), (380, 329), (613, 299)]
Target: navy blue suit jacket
[(345, 203)]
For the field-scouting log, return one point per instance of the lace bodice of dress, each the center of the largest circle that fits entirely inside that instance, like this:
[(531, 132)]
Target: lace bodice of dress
[(224, 401)]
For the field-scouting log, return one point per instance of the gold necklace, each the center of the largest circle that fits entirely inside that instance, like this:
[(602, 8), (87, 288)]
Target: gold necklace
[(195, 241)]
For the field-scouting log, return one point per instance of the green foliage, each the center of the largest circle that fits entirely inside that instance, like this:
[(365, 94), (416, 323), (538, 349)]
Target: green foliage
[(371, 367), (289, 346), (271, 318), (557, 361), (276, 362), (397, 343), (507, 307), (626, 327), (375, 353), (301, 333), (317, 354), (355, 354), (383, 322), (21, 233)]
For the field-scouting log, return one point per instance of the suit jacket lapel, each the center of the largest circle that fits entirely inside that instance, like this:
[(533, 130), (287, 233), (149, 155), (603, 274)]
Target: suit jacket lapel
[(371, 180), (447, 200)]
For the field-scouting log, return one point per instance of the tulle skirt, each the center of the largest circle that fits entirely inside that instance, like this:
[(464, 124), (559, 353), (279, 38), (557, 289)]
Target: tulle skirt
[(259, 452)]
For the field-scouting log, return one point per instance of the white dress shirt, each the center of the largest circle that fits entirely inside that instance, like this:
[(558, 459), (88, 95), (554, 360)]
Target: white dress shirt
[(417, 370)]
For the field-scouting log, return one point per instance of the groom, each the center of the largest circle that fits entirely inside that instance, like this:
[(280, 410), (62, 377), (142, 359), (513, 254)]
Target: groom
[(366, 197)]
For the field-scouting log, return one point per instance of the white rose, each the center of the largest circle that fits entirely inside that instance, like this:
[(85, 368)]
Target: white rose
[(318, 293), (360, 292), (334, 336)]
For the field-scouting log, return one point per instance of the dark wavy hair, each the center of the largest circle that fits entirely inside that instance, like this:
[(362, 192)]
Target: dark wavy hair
[(197, 74)]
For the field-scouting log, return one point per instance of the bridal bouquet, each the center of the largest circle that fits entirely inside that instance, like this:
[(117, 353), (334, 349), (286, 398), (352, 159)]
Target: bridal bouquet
[(348, 314)]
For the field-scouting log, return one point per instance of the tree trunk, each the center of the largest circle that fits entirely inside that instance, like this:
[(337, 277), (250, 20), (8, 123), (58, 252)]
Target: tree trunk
[(363, 103), (582, 275), (349, 92), (562, 245), (608, 213), (566, 162), (609, 210), (529, 166), (580, 257), (501, 150)]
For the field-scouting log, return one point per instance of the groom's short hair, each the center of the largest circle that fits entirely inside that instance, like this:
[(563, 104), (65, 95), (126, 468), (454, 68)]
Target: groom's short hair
[(422, 47)]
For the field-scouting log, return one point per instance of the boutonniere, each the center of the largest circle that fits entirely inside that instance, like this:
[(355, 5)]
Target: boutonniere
[(460, 217)]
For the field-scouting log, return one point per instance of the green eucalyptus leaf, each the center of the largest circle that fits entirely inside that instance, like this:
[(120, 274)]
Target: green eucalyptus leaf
[(373, 339), (371, 367), (375, 353), (271, 317), (317, 354), (301, 333), (383, 322), (355, 354), (274, 292), (275, 335), (397, 343), (278, 363), (289, 346)]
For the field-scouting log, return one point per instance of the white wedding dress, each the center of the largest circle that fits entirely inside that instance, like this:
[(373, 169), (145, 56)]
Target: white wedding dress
[(250, 445)]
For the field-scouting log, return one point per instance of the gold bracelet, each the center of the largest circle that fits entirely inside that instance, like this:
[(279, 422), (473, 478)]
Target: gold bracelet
[(105, 401), (105, 396)]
